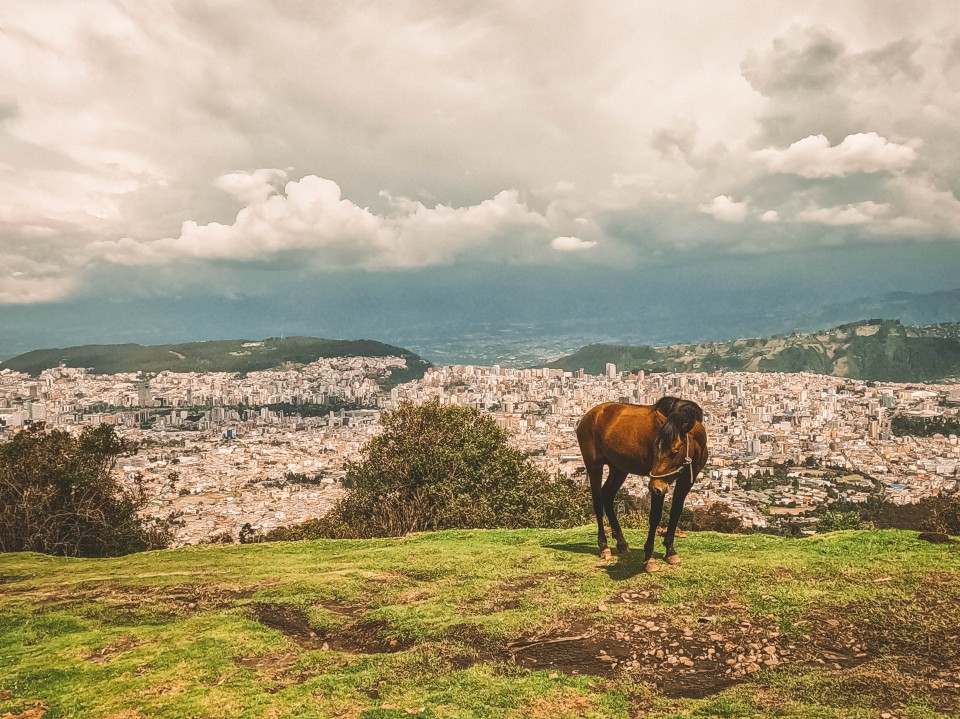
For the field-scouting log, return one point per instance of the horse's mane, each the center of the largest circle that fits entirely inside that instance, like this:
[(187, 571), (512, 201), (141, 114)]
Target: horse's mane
[(681, 415)]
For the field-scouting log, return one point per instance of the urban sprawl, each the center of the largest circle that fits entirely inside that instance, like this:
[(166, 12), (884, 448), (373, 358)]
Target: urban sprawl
[(221, 450)]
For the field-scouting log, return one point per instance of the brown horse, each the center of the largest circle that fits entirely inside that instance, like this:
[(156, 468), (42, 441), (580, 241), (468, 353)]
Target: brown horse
[(665, 441)]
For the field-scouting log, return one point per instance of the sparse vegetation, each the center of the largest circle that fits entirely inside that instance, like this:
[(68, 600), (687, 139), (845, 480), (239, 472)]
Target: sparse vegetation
[(439, 467), (882, 350), (58, 496)]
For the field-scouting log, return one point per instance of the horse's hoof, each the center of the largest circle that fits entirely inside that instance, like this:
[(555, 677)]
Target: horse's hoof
[(652, 565), (672, 559), (605, 553)]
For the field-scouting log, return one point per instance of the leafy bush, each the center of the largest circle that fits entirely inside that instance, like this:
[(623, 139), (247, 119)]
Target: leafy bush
[(58, 496), (718, 517), (943, 515), (835, 521), (435, 467)]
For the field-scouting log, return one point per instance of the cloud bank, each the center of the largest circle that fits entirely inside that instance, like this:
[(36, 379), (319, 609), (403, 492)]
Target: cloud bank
[(321, 138)]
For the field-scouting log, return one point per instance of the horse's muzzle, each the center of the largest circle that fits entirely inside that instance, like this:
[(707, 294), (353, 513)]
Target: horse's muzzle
[(658, 486)]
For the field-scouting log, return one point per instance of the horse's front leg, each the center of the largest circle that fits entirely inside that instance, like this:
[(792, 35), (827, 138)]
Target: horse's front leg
[(656, 512), (676, 508), (615, 481)]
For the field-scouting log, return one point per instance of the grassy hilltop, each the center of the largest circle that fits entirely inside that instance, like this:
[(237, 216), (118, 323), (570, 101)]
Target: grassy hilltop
[(212, 356), (880, 350), (526, 623)]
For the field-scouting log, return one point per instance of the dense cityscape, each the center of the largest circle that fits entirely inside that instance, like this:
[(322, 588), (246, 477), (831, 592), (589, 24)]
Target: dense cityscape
[(268, 449)]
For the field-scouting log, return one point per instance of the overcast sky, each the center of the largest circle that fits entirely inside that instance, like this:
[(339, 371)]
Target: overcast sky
[(155, 147)]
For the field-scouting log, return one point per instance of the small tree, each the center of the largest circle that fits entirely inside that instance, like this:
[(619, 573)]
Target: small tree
[(435, 467), (835, 521), (718, 517), (58, 495)]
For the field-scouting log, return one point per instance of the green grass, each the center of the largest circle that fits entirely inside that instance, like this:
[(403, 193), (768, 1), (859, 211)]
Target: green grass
[(176, 633)]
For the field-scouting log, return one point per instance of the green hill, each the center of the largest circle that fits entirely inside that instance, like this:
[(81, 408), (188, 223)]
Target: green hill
[(493, 624), (212, 356), (880, 350)]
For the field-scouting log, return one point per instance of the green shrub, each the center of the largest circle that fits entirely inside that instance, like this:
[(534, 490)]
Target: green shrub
[(58, 495), (435, 467), (835, 521)]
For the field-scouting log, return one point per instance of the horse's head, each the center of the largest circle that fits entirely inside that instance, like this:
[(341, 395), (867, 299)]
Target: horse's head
[(671, 459), (672, 451)]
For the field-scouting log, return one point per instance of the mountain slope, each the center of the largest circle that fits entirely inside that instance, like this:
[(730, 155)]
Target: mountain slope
[(881, 350), (212, 356)]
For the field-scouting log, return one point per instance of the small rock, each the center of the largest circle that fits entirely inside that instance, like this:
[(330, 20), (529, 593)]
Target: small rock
[(686, 661), (601, 607), (325, 647), (753, 667), (553, 675), (770, 649)]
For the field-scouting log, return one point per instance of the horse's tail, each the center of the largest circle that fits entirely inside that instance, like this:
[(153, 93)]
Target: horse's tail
[(681, 414)]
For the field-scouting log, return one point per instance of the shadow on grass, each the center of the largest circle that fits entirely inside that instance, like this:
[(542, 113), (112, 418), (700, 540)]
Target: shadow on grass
[(620, 567), (576, 548)]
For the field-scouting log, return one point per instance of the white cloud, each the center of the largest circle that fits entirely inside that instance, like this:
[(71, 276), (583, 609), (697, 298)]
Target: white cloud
[(860, 213), (814, 157), (770, 216), (312, 218), (725, 209), (570, 244)]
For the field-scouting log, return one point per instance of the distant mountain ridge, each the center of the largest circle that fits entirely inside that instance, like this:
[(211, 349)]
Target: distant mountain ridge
[(880, 350), (213, 356)]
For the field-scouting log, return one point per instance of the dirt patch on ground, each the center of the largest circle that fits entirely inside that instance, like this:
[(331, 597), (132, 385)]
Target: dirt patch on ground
[(894, 649), (130, 602), (275, 668), (112, 650), (936, 538), (888, 651), (362, 636), (683, 656), (36, 711), (509, 594)]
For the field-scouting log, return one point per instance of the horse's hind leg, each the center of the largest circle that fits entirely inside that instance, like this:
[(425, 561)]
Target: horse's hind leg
[(595, 473), (614, 482)]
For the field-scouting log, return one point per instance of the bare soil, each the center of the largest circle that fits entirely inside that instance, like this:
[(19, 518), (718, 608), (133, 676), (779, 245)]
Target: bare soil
[(363, 636)]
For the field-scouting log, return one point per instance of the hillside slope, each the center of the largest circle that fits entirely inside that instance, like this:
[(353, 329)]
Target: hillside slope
[(880, 350), (211, 356), (494, 624)]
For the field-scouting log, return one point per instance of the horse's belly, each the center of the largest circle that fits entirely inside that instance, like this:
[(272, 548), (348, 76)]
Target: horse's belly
[(627, 463)]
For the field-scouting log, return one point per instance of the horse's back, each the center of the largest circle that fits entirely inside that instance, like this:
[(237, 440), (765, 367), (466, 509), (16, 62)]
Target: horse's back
[(619, 434)]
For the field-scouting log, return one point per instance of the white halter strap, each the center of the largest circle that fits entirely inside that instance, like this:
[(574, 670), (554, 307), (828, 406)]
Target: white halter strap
[(688, 461)]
